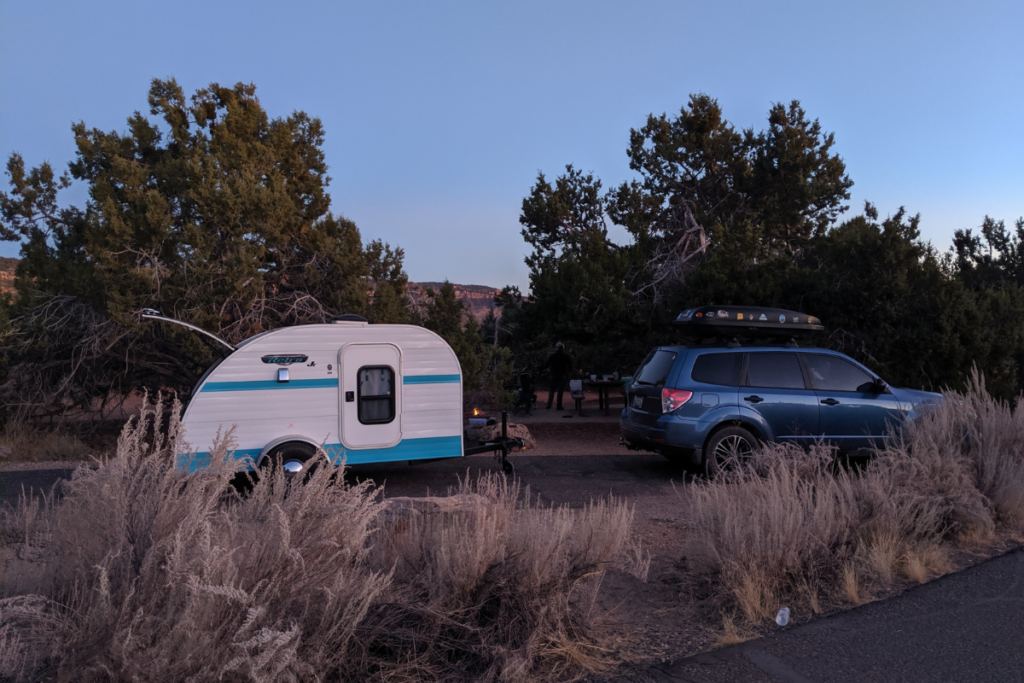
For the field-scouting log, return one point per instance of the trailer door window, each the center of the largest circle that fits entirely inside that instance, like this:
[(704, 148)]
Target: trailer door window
[(376, 394)]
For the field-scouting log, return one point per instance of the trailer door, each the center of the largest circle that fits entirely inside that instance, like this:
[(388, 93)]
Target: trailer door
[(371, 395)]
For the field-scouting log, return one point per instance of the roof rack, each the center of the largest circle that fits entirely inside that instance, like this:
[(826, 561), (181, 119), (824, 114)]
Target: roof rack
[(747, 321)]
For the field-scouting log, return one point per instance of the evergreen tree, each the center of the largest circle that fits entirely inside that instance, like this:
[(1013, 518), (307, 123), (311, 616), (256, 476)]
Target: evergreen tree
[(209, 211), (447, 316)]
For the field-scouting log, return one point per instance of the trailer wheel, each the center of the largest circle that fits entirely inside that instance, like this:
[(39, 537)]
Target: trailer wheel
[(507, 467), (295, 459)]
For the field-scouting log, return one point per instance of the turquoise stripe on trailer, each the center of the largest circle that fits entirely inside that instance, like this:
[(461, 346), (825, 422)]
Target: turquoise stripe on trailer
[(328, 383), (425, 448), (191, 463), (430, 379), (259, 385)]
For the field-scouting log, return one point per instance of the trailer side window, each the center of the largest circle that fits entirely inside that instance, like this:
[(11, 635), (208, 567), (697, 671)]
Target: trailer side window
[(376, 394)]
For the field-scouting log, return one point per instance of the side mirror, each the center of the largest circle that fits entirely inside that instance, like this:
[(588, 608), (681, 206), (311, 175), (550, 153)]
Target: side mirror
[(879, 386)]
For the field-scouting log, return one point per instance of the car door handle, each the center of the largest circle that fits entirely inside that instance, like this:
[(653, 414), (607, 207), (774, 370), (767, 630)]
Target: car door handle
[(753, 399), (830, 402)]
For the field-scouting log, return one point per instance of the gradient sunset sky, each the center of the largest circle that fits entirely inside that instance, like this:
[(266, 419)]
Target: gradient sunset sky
[(440, 114)]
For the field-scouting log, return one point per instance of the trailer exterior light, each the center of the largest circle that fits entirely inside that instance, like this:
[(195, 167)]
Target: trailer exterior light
[(282, 375), (673, 398)]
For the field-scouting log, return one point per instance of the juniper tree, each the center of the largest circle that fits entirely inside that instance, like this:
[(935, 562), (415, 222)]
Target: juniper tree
[(208, 210)]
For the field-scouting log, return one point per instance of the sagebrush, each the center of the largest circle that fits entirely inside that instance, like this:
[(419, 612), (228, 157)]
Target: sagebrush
[(141, 572), (791, 527)]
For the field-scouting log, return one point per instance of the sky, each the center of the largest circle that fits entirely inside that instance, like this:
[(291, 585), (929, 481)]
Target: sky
[(439, 115)]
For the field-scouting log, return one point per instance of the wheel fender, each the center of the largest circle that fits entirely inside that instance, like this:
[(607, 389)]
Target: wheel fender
[(741, 418), (756, 423), (282, 440)]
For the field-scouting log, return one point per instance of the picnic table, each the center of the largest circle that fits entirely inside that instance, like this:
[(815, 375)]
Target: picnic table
[(602, 386)]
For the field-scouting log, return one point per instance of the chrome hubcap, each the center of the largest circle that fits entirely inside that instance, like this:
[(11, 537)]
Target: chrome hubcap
[(732, 447), (293, 466)]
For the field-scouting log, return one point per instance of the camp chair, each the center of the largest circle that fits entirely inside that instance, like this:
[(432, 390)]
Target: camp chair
[(576, 391)]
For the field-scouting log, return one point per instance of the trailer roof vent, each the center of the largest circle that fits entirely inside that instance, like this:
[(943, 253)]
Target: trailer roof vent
[(348, 318)]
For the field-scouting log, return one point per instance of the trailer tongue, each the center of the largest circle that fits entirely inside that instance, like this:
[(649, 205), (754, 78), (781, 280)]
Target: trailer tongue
[(501, 446)]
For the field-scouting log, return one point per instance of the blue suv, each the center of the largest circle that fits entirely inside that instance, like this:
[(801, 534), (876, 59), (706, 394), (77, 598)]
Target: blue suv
[(699, 403)]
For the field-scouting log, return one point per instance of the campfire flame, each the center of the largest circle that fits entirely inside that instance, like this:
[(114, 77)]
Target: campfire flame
[(475, 412)]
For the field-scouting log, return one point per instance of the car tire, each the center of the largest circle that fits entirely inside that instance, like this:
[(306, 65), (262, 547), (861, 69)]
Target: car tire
[(726, 446)]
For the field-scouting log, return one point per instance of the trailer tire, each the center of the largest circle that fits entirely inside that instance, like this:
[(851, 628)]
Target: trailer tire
[(295, 459)]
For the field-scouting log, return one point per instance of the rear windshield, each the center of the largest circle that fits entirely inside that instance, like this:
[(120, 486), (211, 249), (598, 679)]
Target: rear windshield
[(654, 371), (717, 368)]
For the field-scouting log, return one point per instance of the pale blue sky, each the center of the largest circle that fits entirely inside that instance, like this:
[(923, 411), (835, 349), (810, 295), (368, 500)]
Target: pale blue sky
[(439, 115)]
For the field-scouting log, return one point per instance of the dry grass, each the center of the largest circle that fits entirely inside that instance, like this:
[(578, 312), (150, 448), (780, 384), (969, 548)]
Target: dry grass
[(789, 527), (733, 633), (637, 560), (851, 585), (146, 573), (20, 442)]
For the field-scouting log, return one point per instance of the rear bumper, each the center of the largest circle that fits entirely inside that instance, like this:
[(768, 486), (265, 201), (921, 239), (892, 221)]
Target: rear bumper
[(676, 442)]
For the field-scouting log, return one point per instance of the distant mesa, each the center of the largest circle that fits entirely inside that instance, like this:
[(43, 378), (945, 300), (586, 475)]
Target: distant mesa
[(478, 298), (7, 266)]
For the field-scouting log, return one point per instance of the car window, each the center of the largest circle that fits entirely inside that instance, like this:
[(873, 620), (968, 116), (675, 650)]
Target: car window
[(376, 394), (654, 371), (717, 368), (829, 373), (774, 371)]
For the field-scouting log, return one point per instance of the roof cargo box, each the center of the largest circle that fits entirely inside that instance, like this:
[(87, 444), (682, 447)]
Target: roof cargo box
[(746, 321)]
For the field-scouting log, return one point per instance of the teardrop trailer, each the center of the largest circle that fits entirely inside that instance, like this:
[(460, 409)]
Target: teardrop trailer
[(363, 393)]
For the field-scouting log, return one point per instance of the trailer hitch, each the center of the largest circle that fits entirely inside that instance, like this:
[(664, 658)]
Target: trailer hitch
[(500, 447)]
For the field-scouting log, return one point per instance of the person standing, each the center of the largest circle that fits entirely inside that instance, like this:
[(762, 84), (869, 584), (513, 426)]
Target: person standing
[(560, 365)]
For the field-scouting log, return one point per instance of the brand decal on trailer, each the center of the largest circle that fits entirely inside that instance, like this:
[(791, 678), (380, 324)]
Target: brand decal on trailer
[(286, 359)]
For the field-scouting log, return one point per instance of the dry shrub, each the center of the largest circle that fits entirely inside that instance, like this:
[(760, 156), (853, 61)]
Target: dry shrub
[(499, 591), (790, 527), (767, 527), (987, 435), (20, 442), (148, 573)]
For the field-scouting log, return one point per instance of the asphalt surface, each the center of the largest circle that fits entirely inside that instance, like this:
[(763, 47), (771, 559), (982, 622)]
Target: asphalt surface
[(572, 480), (967, 626), (12, 484)]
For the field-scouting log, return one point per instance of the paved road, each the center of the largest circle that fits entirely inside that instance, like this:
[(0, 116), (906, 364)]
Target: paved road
[(13, 483), (574, 480), (967, 627)]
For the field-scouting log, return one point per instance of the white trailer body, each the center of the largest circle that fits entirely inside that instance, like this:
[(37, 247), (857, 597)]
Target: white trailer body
[(364, 393)]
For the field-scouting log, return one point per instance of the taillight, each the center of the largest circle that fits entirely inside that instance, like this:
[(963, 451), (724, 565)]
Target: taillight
[(673, 398)]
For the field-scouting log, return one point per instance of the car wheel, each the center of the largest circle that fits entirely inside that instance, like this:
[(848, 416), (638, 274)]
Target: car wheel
[(295, 460), (726, 447)]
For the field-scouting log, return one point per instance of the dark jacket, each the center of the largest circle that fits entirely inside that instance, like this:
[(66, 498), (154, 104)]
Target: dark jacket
[(560, 364)]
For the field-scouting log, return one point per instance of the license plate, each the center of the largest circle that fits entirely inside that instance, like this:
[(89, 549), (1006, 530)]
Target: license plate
[(638, 402)]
